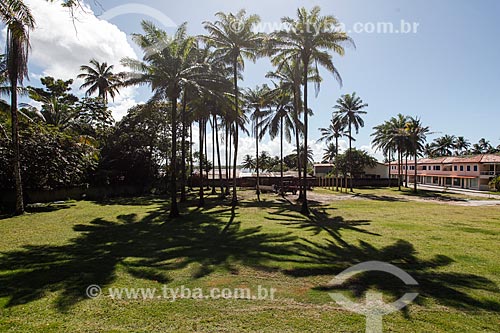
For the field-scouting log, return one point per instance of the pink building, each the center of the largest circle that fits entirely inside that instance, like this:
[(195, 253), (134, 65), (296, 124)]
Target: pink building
[(470, 172)]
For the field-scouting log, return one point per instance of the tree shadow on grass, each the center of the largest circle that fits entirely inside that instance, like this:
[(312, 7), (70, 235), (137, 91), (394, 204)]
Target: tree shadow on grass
[(40, 208), (148, 248), (448, 288), (334, 254), (375, 197), (434, 195)]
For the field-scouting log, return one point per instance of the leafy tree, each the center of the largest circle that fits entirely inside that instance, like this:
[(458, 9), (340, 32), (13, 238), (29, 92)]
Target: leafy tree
[(58, 104), (354, 161), (495, 182), (135, 151), (50, 158)]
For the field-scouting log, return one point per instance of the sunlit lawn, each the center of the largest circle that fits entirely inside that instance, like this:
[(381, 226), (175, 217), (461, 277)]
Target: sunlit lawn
[(49, 258)]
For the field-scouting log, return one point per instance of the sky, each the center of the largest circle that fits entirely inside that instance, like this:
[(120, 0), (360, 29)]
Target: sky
[(443, 69)]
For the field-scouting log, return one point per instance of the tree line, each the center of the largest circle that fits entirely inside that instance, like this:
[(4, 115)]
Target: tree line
[(193, 80)]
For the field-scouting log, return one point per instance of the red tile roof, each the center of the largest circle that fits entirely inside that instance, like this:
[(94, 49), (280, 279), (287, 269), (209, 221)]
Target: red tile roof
[(483, 158)]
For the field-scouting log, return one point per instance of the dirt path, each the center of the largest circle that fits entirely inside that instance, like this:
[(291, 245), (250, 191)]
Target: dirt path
[(323, 198)]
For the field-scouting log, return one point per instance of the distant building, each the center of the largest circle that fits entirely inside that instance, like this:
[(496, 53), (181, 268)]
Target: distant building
[(379, 171), (469, 172)]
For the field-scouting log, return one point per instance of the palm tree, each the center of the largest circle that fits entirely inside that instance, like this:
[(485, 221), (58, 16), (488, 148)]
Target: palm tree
[(349, 110), (384, 140), (309, 157), (168, 71), (233, 39), (255, 101), (249, 162), (444, 145), (281, 120), (310, 39), (100, 77), (417, 134), (462, 145), (334, 132), (289, 75), (330, 153), (19, 21), (485, 146)]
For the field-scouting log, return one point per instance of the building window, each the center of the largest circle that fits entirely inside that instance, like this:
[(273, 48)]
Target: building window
[(424, 167), (468, 168), (455, 168), (437, 167), (461, 168), (475, 168)]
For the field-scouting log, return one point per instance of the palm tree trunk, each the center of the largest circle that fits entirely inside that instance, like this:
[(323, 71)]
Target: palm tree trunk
[(336, 169), (236, 129), (174, 209), (415, 180), (257, 155), (206, 151), (281, 157), (305, 208), (213, 157), (399, 168), (350, 156), (406, 170), (183, 145), (389, 157), (201, 202), (15, 148), (218, 157), (191, 165), (228, 158)]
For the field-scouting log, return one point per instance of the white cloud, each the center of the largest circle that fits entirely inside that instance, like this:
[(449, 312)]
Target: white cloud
[(60, 45)]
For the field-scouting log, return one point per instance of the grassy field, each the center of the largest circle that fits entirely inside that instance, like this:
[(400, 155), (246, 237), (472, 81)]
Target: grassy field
[(49, 257)]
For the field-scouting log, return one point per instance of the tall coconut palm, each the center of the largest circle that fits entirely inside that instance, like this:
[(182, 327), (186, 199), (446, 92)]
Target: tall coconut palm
[(384, 140), (168, 70), (280, 120), (99, 77), (255, 101), (335, 131), (289, 76), (349, 109), (19, 21), (310, 40), (417, 134), (234, 40)]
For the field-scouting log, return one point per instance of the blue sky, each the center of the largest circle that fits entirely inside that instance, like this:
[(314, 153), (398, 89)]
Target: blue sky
[(447, 72)]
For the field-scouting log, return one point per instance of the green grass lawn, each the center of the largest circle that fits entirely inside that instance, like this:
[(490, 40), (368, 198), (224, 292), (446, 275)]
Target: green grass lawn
[(49, 257)]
